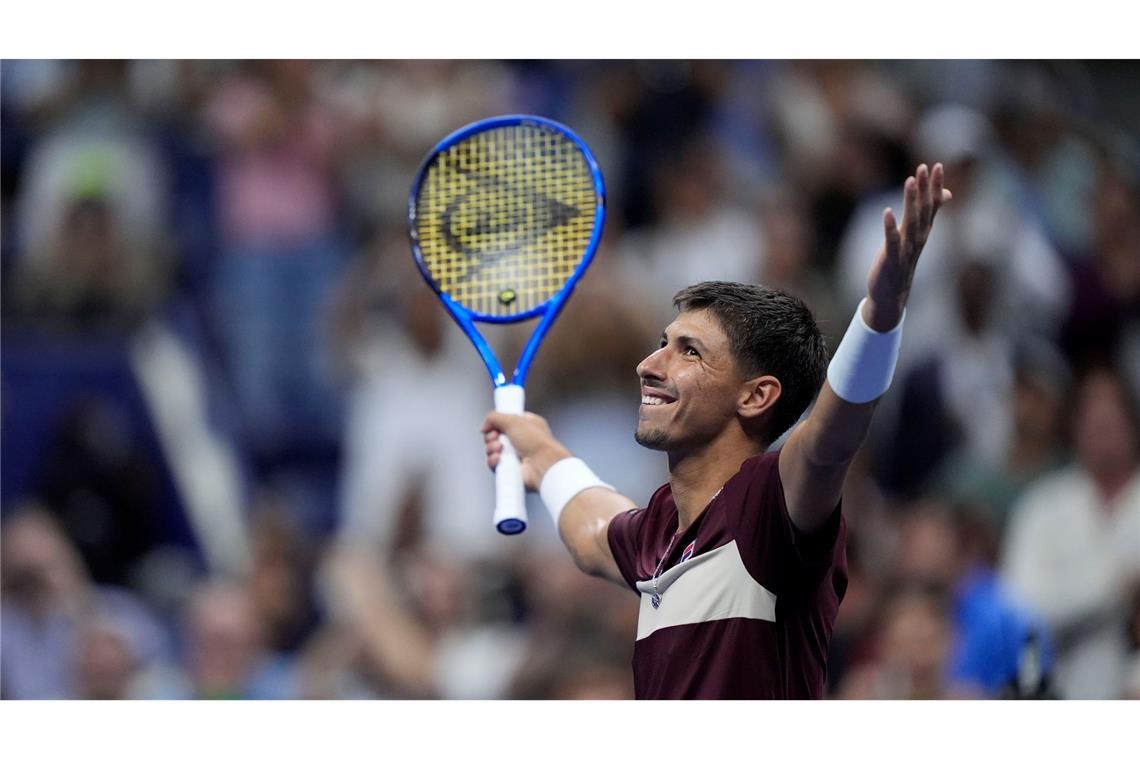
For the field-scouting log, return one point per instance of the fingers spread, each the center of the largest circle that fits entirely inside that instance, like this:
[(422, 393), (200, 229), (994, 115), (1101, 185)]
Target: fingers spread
[(890, 224), (924, 200), (937, 177), (911, 214), (891, 232), (941, 194)]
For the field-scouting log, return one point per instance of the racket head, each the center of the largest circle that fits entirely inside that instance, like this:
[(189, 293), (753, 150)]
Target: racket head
[(505, 215)]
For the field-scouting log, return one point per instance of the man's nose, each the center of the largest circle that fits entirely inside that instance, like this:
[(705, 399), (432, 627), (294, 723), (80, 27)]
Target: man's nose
[(652, 366)]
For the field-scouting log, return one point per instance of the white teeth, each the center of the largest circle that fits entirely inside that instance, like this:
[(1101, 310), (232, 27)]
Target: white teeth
[(652, 400)]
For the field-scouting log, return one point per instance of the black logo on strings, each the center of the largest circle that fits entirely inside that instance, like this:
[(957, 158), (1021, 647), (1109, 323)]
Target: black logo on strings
[(530, 216)]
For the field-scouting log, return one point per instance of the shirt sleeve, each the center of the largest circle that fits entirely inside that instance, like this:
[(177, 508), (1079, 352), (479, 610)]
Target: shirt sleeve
[(777, 553), (625, 535)]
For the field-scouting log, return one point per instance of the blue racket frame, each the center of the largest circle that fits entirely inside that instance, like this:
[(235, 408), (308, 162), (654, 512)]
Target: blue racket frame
[(548, 310)]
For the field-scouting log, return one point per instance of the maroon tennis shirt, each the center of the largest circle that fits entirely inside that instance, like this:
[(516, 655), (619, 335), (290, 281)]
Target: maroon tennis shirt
[(747, 601)]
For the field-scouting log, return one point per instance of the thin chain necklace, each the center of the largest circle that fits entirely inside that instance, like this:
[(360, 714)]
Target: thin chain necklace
[(656, 598)]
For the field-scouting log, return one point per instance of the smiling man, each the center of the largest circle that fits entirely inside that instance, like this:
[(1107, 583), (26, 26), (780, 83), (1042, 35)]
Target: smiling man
[(739, 559)]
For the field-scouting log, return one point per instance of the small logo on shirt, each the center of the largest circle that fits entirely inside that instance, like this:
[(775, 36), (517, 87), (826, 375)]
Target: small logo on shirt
[(688, 553)]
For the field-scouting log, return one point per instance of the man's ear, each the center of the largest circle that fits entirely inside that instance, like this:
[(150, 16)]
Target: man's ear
[(758, 395)]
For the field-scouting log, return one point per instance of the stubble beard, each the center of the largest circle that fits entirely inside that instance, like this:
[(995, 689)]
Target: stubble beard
[(654, 439)]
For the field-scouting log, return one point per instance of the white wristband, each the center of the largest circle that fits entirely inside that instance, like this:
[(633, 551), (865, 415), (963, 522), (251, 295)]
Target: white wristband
[(863, 365), (565, 479)]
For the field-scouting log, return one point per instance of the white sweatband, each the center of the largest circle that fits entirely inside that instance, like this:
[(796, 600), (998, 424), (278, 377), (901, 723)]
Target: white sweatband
[(563, 481), (863, 365)]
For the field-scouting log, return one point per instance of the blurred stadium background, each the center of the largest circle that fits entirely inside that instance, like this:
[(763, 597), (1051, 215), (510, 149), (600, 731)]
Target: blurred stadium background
[(240, 443)]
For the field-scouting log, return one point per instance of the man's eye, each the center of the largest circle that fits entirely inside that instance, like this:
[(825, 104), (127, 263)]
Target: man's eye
[(690, 351)]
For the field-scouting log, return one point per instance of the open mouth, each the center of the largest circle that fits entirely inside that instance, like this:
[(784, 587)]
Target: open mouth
[(652, 399)]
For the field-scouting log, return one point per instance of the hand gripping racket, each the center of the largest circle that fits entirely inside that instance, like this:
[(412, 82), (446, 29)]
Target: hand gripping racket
[(504, 217)]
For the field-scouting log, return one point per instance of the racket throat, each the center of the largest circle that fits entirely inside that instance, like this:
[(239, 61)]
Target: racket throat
[(510, 398)]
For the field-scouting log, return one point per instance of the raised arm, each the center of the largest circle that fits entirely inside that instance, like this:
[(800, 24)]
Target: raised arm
[(814, 460), (584, 519)]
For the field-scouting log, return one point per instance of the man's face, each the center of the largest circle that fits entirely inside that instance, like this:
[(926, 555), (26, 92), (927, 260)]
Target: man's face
[(690, 387), (1103, 433)]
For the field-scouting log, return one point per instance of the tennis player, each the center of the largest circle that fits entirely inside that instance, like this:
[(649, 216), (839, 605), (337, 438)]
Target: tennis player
[(739, 559)]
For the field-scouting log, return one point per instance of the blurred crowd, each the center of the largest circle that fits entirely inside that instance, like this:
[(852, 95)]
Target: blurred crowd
[(241, 455)]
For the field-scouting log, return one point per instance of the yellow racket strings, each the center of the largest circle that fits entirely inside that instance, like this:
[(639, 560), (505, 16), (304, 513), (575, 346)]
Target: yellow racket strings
[(504, 217)]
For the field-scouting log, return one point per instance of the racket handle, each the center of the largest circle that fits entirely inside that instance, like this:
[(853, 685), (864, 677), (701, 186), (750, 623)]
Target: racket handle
[(510, 494)]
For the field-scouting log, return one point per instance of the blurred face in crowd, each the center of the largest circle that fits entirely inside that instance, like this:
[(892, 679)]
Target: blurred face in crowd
[(40, 569), (916, 643), (277, 577), (1104, 433), (88, 243), (687, 184), (690, 387), (1035, 408), (277, 593), (788, 244), (437, 586), (104, 663), (224, 640), (928, 548), (1117, 215)]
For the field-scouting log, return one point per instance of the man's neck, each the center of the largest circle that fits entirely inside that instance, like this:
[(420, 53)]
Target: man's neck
[(696, 477)]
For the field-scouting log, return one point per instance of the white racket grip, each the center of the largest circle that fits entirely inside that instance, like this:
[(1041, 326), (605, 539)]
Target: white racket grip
[(510, 494)]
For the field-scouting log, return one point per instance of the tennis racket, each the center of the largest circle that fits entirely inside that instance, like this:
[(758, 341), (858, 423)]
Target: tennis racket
[(505, 215)]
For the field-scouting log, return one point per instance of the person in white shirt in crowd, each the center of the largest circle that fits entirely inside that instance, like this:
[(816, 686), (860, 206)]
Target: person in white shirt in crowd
[(409, 363), (1072, 550)]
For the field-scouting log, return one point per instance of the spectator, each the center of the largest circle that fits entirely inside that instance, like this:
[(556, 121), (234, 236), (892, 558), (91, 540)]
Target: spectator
[(406, 361), (914, 646), (1105, 316), (117, 656), (45, 590), (97, 147), (281, 252), (50, 615), (991, 632), (88, 276), (1055, 161), (443, 642), (582, 631), (698, 235), (957, 398), (98, 479), (1036, 445), (226, 650), (279, 582), (1071, 551)]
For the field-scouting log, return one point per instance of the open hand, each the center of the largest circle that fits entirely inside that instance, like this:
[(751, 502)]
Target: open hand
[(888, 284)]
